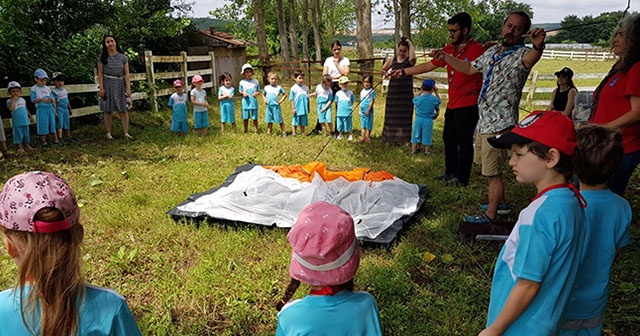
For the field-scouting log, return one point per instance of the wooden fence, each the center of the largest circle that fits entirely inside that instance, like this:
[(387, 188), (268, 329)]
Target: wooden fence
[(152, 78)]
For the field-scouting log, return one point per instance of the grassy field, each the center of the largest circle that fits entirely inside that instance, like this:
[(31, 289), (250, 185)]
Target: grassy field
[(186, 279)]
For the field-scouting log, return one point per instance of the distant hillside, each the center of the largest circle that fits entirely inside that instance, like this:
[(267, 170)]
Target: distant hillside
[(547, 26), (205, 23)]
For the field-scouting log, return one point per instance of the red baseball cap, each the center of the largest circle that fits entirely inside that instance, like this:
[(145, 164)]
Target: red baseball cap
[(550, 128)]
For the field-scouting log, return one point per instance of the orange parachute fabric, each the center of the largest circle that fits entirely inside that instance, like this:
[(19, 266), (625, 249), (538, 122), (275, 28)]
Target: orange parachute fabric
[(305, 173)]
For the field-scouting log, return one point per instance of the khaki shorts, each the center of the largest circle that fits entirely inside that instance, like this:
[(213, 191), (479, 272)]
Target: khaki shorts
[(492, 159), (2, 136)]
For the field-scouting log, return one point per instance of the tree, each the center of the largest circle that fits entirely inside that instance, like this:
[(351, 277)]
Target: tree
[(293, 35), (305, 30), (282, 32), (315, 18), (588, 29), (365, 39), (263, 50)]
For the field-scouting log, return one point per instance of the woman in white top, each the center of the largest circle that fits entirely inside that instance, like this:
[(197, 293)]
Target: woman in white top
[(335, 67)]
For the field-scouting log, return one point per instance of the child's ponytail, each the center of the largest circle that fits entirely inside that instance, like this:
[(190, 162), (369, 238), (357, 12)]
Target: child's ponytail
[(50, 268), (288, 294)]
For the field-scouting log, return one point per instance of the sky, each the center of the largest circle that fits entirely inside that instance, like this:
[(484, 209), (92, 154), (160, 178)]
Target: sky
[(544, 11)]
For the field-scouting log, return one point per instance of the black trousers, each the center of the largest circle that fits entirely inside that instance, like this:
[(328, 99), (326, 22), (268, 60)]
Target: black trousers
[(459, 127)]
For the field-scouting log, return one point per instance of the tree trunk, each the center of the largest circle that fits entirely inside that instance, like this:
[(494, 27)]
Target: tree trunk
[(293, 35), (282, 32), (263, 50), (405, 18), (328, 14), (305, 31), (365, 38), (315, 12)]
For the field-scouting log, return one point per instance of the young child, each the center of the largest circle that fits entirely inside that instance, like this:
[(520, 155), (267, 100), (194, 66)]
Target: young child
[(20, 118), (344, 99), (225, 96), (324, 99), (325, 255), (178, 103), (427, 105), (40, 225), (200, 105), (537, 265), (299, 97), (608, 217), (272, 99), (367, 100), (45, 107), (250, 89), (63, 108)]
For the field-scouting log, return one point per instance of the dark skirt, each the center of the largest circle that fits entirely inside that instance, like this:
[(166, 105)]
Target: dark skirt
[(398, 111)]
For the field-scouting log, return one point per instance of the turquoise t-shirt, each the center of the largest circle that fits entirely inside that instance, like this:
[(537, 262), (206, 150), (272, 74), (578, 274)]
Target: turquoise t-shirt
[(366, 97), (179, 105), (542, 247), (61, 96), (250, 87), (38, 92), (272, 92), (345, 100), (323, 97), (103, 312), (344, 314), (300, 96), (426, 105), (19, 116)]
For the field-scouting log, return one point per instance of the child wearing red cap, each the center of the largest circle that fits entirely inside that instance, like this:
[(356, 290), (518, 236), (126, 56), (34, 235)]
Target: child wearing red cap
[(40, 225), (178, 103), (326, 256), (537, 265)]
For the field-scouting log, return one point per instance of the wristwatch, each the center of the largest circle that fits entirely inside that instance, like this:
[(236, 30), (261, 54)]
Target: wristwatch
[(544, 45)]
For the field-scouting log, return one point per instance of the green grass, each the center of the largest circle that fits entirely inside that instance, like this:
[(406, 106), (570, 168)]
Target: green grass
[(181, 278)]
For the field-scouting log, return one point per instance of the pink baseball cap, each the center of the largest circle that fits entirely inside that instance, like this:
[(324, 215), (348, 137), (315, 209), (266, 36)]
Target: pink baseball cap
[(197, 79), (177, 83), (25, 194), (325, 249)]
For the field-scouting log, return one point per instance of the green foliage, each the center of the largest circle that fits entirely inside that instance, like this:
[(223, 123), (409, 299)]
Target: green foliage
[(588, 29)]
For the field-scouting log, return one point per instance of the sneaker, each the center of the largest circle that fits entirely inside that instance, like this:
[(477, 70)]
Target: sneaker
[(339, 137), (59, 143), (128, 136), (479, 219), (444, 178), (45, 145), (503, 208), (427, 153), (109, 137), (456, 183), (350, 138), (284, 135), (415, 152)]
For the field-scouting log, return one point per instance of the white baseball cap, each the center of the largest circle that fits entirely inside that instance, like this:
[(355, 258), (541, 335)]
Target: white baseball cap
[(245, 67), (13, 85)]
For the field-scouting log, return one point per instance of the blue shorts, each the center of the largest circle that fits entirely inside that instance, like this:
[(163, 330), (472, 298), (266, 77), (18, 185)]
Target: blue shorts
[(344, 124), (422, 131), (21, 134), (273, 114), (324, 117), (249, 114), (46, 121), (63, 120), (179, 126), (201, 119), (300, 120), (366, 122), (227, 114)]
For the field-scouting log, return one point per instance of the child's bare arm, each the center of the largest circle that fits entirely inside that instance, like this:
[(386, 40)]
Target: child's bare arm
[(519, 299)]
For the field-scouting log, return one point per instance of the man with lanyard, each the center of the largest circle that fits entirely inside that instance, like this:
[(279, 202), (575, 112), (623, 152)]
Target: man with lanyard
[(461, 116), (505, 68)]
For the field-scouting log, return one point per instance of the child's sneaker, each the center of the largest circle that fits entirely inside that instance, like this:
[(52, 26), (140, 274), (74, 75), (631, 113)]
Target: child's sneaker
[(350, 138), (427, 153), (503, 208), (479, 219), (339, 137), (109, 137), (128, 136), (415, 151), (284, 135)]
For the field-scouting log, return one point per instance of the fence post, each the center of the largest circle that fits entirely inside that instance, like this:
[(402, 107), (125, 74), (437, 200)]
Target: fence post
[(532, 88), (184, 67), (151, 80), (214, 79)]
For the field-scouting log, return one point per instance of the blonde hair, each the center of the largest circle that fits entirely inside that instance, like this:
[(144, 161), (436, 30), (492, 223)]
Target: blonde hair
[(50, 266)]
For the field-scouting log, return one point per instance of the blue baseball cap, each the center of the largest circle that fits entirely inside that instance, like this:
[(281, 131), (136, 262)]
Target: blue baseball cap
[(39, 73), (428, 84)]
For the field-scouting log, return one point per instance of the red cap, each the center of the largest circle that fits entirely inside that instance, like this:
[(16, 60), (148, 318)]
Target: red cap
[(550, 128)]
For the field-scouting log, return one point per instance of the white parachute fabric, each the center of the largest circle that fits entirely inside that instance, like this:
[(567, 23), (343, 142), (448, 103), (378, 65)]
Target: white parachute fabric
[(262, 196)]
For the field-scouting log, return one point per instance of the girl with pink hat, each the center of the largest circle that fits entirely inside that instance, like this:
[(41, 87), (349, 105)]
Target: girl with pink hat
[(41, 231), (200, 106), (326, 257)]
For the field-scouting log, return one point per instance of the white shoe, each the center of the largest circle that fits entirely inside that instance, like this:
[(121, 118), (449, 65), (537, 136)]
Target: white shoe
[(128, 136), (109, 137), (339, 137), (350, 138)]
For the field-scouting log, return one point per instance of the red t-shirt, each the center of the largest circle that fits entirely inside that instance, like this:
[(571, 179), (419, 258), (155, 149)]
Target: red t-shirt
[(614, 102), (463, 89)]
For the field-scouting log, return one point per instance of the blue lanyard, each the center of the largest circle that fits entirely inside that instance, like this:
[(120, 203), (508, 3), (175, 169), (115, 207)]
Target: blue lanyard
[(495, 60)]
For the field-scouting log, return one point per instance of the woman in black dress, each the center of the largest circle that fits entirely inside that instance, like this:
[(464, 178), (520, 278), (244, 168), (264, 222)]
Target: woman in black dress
[(563, 97), (398, 113)]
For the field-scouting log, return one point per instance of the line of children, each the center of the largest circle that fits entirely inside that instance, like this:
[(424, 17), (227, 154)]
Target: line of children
[(272, 99), (427, 106), (178, 103), (250, 89), (226, 92), (63, 108), (200, 106), (299, 97), (45, 108), (20, 118), (344, 99)]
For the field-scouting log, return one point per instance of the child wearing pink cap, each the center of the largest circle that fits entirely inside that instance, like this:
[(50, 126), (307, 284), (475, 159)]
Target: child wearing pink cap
[(178, 103), (39, 222), (200, 106), (326, 257)]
